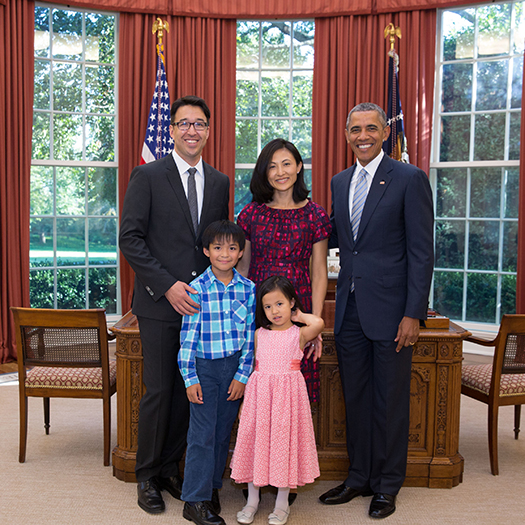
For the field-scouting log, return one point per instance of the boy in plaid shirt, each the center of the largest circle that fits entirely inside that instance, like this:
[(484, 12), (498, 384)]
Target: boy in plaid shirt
[(215, 361)]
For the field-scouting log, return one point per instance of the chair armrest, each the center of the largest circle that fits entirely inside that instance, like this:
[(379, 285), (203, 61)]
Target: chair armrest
[(111, 336), (479, 341)]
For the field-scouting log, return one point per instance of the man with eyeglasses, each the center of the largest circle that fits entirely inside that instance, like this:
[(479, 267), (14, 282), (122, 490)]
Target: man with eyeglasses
[(168, 204)]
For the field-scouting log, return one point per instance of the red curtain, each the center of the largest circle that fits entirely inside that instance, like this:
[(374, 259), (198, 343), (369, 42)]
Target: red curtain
[(16, 117), (200, 60), (351, 67)]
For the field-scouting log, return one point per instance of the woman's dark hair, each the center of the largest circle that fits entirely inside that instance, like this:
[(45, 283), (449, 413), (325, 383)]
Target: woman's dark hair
[(275, 282), (223, 231), (262, 191)]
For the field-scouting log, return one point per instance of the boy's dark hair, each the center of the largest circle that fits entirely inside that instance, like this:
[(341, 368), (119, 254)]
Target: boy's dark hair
[(276, 282), (262, 191), (220, 231), (190, 100)]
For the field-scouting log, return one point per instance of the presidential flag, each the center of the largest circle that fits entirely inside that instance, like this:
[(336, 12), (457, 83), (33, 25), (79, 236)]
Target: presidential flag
[(158, 142), (395, 146)]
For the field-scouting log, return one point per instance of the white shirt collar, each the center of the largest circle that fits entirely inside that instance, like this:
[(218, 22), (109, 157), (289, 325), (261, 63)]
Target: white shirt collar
[(372, 166), (183, 166)]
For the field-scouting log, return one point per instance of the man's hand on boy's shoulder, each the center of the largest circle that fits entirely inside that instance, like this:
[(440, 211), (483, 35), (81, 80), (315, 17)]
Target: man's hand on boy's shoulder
[(236, 390), (178, 297), (194, 393)]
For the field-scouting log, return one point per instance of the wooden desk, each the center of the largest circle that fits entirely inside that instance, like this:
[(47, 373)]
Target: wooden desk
[(433, 458)]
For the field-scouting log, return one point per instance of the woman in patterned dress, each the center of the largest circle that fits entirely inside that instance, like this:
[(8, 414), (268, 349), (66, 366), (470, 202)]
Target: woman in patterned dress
[(287, 234)]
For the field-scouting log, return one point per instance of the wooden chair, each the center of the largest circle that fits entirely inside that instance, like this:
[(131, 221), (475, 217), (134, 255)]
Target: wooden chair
[(63, 353), (501, 383)]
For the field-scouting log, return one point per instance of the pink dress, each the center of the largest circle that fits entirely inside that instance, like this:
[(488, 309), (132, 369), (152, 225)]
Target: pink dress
[(275, 441)]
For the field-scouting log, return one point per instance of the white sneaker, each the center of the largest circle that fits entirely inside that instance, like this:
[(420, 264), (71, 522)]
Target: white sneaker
[(279, 516), (246, 515)]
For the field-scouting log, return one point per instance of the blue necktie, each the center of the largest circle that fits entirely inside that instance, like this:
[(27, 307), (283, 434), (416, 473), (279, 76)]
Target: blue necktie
[(358, 203), (192, 198), (360, 193)]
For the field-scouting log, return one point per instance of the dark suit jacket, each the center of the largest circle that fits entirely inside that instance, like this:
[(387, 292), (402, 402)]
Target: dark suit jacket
[(157, 236), (392, 258)]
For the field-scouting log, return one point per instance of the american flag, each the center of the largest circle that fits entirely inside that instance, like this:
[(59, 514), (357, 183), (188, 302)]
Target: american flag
[(158, 142)]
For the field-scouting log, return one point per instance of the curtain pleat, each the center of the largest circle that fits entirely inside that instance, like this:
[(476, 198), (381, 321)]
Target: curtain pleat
[(16, 117), (351, 64), (200, 60)]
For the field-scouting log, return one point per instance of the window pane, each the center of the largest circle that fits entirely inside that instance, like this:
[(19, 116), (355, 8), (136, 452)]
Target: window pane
[(494, 30), (102, 241), (242, 189), (102, 191), (71, 246), (514, 136), (100, 138), (492, 78), (67, 137), (246, 141), (247, 44), (103, 289), (42, 93), (42, 41), (100, 38), (247, 99), (485, 192), (517, 82), (41, 136), (450, 244), (512, 184), (67, 87), (41, 288), (482, 297), (457, 87), (458, 34), (71, 288), (275, 94), (41, 242), (455, 138), (303, 44), (302, 138), (71, 191), (42, 190), (508, 294), (448, 293), (451, 193), (67, 34), (509, 259), (272, 129), (519, 27), (302, 93), (100, 87), (276, 44), (483, 245), (489, 137)]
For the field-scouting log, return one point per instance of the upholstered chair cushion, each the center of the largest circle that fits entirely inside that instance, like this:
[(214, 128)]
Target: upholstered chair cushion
[(478, 377)]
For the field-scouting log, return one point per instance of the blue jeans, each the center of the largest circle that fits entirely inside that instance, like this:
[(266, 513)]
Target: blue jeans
[(210, 428)]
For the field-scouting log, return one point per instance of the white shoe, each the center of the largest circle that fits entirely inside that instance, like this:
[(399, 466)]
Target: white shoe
[(246, 515), (279, 516)]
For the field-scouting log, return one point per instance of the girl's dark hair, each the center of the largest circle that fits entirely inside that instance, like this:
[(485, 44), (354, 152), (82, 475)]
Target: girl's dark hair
[(262, 191), (223, 231), (275, 282)]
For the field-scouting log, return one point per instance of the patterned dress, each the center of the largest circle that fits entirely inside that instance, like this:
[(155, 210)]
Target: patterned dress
[(281, 244), (275, 441)]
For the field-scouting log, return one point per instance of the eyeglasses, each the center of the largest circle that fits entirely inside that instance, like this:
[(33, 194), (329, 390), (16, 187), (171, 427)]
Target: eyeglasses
[(184, 125)]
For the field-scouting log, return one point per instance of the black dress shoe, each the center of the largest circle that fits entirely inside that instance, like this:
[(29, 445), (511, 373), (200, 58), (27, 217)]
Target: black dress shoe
[(382, 505), (215, 502), (150, 498), (342, 494), (173, 485), (201, 513)]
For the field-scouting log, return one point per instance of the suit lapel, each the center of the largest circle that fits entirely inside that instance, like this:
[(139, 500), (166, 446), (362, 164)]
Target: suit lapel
[(379, 185), (344, 205), (209, 184), (173, 176)]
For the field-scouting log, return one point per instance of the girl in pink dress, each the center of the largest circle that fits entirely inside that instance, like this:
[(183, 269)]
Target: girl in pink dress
[(275, 441)]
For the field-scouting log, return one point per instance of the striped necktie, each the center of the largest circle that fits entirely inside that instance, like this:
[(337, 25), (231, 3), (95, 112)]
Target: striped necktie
[(192, 198), (360, 193)]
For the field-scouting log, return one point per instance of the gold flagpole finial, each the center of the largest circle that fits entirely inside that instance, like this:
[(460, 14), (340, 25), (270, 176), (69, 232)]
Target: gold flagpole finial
[(158, 27), (392, 32)]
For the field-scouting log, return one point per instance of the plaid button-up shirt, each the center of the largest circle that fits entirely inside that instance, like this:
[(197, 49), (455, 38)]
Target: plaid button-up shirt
[(224, 325)]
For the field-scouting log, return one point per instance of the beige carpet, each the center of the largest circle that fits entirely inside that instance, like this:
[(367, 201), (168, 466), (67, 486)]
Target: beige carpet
[(63, 480)]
